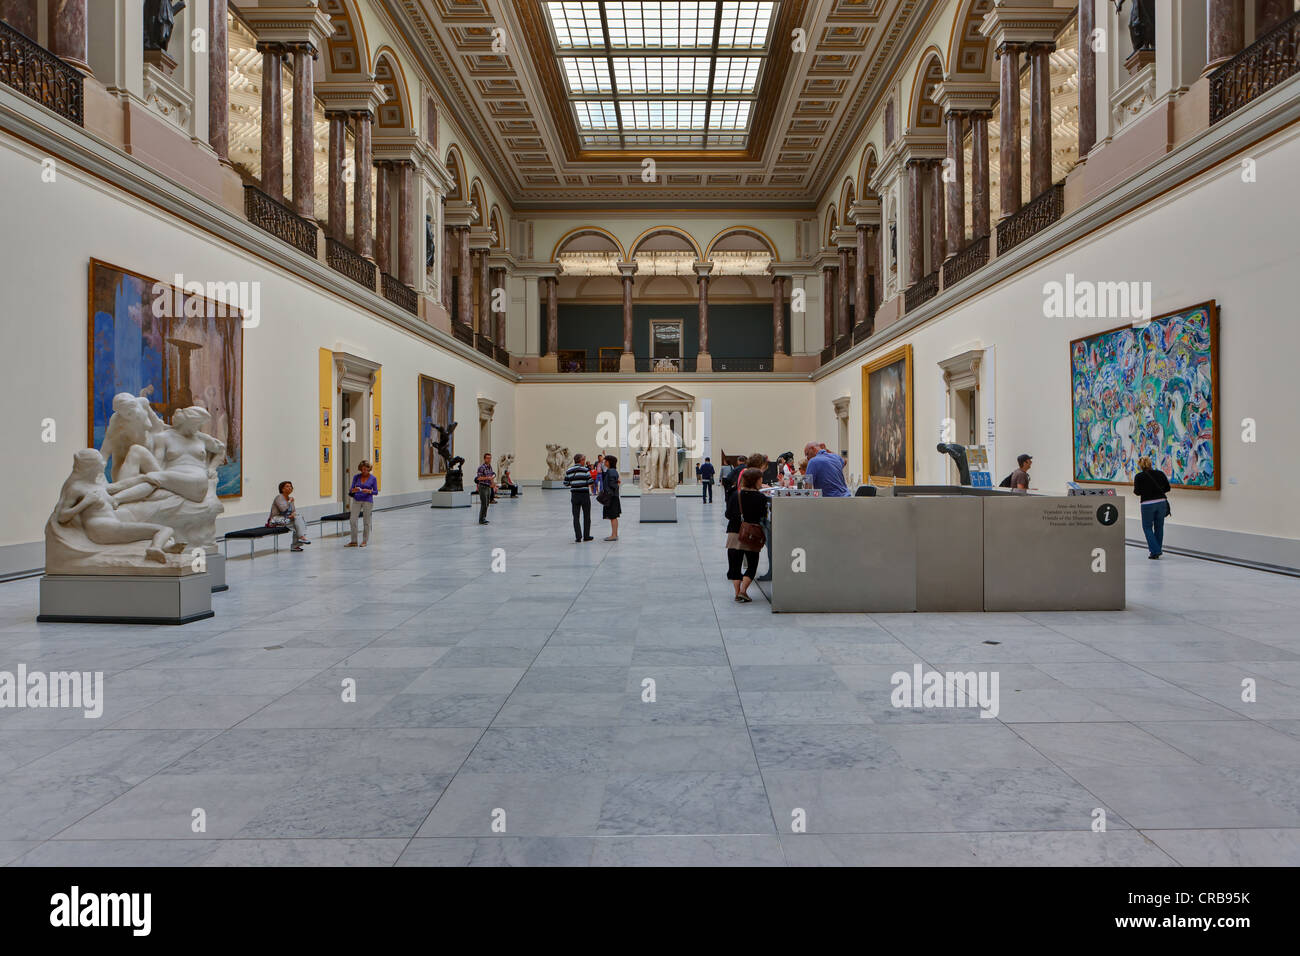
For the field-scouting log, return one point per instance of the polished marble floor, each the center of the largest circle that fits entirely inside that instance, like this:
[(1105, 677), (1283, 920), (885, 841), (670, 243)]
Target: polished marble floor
[(499, 717)]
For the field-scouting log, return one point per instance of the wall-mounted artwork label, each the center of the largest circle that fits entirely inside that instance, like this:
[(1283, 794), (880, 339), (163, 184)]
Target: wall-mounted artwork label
[(1149, 392), (188, 356), (437, 409)]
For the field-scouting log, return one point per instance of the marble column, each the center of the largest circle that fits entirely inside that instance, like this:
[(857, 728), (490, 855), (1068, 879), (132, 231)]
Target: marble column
[(362, 240), (1087, 78), (338, 197), (703, 294), (915, 238), (21, 15), (1040, 118), (447, 238), (778, 315), (861, 308), (384, 229), (872, 271), (882, 256), (484, 327), (1269, 13), (218, 81), (406, 224), (272, 122), (304, 148), (498, 318), (553, 317), (956, 212), (937, 236), (1009, 102), (67, 31), (842, 290), (828, 306), (465, 307), (979, 174), (1226, 31), (627, 313)]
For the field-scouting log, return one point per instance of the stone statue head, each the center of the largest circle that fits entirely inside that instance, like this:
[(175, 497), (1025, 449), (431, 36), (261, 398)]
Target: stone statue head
[(88, 463), (189, 421), (127, 407)]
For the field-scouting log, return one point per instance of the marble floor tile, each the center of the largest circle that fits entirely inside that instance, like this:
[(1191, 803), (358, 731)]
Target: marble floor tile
[(1038, 848), (1100, 744), (685, 802), (1240, 847)]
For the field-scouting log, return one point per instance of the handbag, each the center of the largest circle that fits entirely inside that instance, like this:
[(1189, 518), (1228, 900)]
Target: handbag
[(604, 497), (751, 536)]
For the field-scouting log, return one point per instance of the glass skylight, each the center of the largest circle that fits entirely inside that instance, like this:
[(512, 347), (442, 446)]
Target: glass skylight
[(662, 73)]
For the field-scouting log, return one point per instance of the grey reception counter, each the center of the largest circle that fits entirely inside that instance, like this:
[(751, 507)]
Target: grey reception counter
[(947, 549)]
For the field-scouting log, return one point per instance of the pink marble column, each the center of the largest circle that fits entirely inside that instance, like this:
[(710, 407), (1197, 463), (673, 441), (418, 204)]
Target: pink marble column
[(338, 197), (956, 212), (1269, 13), (1087, 78), (67, 29), (778, 315), (828, 306), (936, 215), (915, 238), (1040, 117), (362, 240), (384, 227), (466, 276), (272, 122), (304, 148), (883, 259), (406, 225), (498, 318), (21, 15), (861, 309), (553, 317), (484, 327), (1009, 102), (872, 269), (842, 290), (979, 174), (218, 82), (627, 313), (703, 291), (447, 238), (1226, 31)]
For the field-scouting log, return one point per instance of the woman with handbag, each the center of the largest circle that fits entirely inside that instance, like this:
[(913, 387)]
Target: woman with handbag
[(1151, 485), (608, 498), (746, 510)]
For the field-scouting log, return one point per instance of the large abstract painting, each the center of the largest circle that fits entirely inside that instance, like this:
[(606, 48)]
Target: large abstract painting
[(1150, 391), (179, 349), (887, 417), (437, 407)]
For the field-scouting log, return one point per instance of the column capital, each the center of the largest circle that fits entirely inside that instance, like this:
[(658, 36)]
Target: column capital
[(703, 268), (627, 269), (458, 213), (1013, 23), (865, 212), (964, 96), (353, 97), (293, 24)]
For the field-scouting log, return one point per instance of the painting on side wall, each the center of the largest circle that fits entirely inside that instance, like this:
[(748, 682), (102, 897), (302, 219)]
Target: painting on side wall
[(177, 348), (887, 417), (437, 407), (1149, 392)]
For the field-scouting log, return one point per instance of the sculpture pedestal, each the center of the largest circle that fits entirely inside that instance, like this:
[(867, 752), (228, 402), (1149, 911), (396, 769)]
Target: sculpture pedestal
[(450, 499), (551, 483), (217, 571), (659, 507), (126, 598)]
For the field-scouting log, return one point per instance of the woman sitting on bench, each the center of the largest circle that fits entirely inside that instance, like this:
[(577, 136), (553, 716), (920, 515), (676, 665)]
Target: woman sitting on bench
[(284, 514), (506, 483)]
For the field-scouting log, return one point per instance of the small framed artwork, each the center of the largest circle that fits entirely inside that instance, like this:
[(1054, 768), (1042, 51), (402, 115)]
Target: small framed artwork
[(324, 418), (887, 417), (325, 455)]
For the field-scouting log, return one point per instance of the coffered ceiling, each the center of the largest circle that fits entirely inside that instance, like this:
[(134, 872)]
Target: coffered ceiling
[(502, 65)]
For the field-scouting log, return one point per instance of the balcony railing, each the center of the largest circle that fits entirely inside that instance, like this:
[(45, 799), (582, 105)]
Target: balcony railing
[(484, 345), (279, 220), (1035, 216), (668, 365), (462, 332), (843, 343), (974, 256), (862, 331), (501, 355), (38, 74), (741, 364), (1254, 71), (401, 295), (828, 353), (342, 259), (922, 291)]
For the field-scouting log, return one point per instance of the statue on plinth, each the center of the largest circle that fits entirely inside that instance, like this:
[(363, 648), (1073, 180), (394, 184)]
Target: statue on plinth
[(660, 468), (1141, 23), (159, 21), (557, 461), (455, 479)]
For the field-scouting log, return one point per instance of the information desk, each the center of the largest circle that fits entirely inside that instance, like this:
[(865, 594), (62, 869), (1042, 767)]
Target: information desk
[(947, 549)]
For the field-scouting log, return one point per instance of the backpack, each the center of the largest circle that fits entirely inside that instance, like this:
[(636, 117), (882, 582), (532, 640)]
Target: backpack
[(1006, 482)]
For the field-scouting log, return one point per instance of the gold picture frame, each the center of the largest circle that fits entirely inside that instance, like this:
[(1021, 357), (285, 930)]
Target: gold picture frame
[(880, 460)]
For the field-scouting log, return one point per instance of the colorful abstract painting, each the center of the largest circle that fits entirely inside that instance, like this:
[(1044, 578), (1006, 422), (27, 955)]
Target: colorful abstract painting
[(1150, 392), (437, 407), (185, 351)]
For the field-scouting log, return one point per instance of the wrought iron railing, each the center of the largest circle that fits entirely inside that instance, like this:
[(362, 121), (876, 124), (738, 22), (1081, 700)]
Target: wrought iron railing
[(462, 332), (645, 364), (1035, 216), (1254, 71), (974, 256), (38, 74), (401, 294), (342, 259), (922, 291), (722, 363), (279, 220)]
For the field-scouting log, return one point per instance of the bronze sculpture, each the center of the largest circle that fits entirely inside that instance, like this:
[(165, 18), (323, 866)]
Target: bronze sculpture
[(159, 21)]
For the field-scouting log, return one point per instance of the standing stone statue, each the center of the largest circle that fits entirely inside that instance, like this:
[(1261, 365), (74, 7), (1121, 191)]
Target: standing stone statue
[(660, 470), (430, 247), (159, 21), (557, 458)]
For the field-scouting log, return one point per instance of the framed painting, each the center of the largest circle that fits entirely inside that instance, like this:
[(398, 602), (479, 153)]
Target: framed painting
[(1149, 392), (178, 348), (437, 407), (887, 418)]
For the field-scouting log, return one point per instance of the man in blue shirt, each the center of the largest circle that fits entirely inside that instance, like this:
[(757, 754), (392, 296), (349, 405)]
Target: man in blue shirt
[(706, 480), (825, 471)]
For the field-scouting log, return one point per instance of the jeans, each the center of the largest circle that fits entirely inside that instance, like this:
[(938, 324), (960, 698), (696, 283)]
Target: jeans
[(1153, 524), (581, 502), (484, 498), (708, 490), (360, 509)]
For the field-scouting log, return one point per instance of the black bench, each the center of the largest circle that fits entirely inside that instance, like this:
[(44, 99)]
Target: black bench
[(252, 534), (337, 518)]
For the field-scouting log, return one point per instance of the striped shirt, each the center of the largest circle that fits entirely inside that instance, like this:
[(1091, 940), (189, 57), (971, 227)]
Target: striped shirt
[(578, 478)]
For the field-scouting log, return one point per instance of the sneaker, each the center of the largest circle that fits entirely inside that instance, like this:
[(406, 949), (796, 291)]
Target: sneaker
[(484, 521), (296, 547)]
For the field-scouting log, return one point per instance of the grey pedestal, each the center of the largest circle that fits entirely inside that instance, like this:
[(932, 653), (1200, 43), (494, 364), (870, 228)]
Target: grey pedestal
[(551, 484), (125, 598), (449, 499), (658, 508), (217, 571)]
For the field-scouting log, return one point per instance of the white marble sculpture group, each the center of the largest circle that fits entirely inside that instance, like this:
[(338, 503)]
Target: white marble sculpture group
[(557, 460), (659, 457), (161, 502)]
